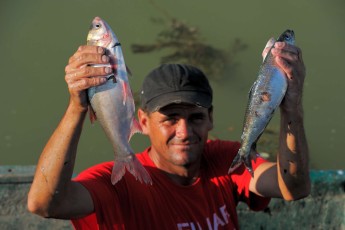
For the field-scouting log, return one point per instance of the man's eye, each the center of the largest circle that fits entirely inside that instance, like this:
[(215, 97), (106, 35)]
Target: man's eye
[(170, 120), (198, 118)]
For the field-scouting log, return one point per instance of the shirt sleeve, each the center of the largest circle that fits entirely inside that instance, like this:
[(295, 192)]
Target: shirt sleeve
[(240, 177), (106, 202)]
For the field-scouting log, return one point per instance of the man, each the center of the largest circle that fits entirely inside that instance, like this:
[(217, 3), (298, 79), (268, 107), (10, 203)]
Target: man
[(191, 185)]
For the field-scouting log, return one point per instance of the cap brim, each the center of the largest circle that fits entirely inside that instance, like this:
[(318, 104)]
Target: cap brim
[(179, 97)]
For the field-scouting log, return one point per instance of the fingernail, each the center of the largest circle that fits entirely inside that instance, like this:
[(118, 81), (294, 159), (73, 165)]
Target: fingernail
[(279, 44), (107, 70), (100, 50), (105, 58), (103, 79)]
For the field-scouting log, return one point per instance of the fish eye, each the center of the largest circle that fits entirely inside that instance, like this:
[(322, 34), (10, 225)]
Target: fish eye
[(97, 26)]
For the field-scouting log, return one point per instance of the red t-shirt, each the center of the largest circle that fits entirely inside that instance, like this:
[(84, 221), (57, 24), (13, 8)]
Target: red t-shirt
[(209, 203)]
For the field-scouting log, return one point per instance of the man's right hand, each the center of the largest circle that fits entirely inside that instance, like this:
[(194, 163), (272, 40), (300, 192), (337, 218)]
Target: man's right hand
[(81, 76)]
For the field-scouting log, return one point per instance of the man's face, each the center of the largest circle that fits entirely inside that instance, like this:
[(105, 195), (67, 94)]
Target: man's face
[(178, 133)]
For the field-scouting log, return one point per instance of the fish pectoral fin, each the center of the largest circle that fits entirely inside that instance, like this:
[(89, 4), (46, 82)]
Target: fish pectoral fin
[(135, 128), (124, 96), (126, 91), (92, 114)]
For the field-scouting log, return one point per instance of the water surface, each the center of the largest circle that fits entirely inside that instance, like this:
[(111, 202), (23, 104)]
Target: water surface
[(38, 37)]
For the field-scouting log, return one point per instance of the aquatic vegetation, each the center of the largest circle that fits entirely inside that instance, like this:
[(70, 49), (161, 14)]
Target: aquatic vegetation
[(184, 44)]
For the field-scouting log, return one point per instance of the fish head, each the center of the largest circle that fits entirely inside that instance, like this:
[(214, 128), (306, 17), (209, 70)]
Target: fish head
[(288, 36), (100, 34)]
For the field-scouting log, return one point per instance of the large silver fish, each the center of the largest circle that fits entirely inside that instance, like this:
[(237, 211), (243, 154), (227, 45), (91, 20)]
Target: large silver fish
[(265, 96), (113, 105)]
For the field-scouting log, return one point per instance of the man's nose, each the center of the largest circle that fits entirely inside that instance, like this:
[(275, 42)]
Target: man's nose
[(183, 129)]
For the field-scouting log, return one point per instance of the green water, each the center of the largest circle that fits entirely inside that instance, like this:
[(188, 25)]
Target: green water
[(37, 37)]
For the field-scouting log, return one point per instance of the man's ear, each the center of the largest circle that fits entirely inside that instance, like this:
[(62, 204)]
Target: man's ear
[(143, 120)]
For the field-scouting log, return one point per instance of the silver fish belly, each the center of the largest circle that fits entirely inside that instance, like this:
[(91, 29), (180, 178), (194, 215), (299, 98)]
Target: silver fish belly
[(114, 106), (265, 96)]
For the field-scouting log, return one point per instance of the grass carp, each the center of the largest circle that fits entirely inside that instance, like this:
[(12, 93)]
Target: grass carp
[(265, 96), (113, 104)]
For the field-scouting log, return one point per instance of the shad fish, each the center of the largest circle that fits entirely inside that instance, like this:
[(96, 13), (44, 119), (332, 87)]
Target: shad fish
[(265, 96), (113, 105)]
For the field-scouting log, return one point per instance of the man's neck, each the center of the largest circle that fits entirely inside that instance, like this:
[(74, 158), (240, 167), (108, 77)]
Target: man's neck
[(180, 174), (184, 179)]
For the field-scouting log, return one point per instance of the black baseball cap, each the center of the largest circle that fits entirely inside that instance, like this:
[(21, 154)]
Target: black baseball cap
[(175, 83)]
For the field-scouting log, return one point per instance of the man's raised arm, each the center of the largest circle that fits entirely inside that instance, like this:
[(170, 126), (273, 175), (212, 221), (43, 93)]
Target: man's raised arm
[(53, 193)]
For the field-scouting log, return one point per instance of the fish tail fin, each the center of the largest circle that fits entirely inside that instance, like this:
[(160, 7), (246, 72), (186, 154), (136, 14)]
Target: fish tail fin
[(118, 172), (235, 163), (238, 160), (133, 165)]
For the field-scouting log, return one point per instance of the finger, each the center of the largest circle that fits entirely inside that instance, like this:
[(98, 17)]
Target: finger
[(290, 56), (285, 66), (299, 54), (87, 59), (83, 53), (90, 58), (87, 72), (283, 47), (86, 83), (87, 49)]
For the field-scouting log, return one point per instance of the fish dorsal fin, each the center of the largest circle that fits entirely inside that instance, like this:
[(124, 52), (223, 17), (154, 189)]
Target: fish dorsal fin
[(135, 128)]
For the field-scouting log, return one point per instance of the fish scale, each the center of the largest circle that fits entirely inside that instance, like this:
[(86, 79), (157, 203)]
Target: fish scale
[(265, 96)]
